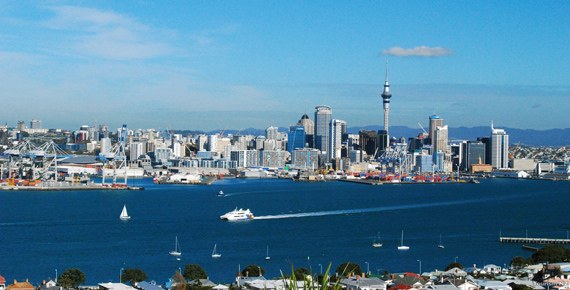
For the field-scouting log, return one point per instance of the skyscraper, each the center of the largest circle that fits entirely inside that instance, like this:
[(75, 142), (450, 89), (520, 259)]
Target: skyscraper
[(386, 100), (474, 151), (296, 138), (336, 130), (440, 139), (368, 141), (499, 148), (434, 122), (309, 130), (383, 142), (323, 116)]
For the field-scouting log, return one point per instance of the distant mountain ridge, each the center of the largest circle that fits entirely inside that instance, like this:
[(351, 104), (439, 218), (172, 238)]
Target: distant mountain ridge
[(530, 137)]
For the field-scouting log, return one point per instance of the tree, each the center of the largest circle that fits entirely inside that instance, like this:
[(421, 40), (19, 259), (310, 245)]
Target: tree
[(454, 265), (552, 254), (193, 272), (180, 281), (133, 276), (520, 262), (71, 278), (253, 271), (347, 268), (300, 273)]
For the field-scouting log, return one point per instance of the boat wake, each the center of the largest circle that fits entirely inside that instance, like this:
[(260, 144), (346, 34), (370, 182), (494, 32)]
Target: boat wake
[(374, 209)]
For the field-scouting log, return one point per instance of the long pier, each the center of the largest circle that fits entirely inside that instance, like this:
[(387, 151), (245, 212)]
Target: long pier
[(534, 240)]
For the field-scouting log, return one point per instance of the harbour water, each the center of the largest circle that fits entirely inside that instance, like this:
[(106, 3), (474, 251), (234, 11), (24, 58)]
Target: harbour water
[(303, 224)]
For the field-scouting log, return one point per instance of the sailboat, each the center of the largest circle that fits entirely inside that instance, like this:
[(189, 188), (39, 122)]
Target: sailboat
[(440, 245), (176, 251), (267, 256), (214, 254), (124, 215), (402, 247), (377, 242)]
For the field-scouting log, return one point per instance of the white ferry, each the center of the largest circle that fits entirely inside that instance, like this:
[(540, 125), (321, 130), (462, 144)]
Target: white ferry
[(238, 215)]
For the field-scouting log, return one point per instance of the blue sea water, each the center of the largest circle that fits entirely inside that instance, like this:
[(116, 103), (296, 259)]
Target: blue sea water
[(303, 224)]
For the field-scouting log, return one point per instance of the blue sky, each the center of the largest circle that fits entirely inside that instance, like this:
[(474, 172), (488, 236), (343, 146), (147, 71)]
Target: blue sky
[(238, 64)]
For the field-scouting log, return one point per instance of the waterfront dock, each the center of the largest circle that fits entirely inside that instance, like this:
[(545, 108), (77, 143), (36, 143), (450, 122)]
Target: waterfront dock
[(67, 188), (534, 240), (207, 180), (381, 182)]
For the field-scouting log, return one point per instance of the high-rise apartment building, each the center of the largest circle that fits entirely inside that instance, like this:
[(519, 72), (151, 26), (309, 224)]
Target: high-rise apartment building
[(21, 126), (136, 150), (271, 133), (499, 148), (335, 144), (323, 117), (305, 158), (35, 124)]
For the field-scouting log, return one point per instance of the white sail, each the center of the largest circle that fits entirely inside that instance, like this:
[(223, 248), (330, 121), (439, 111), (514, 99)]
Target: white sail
[(176, 251), (124, 215), (402, 247), (267, 256), (214, 254)]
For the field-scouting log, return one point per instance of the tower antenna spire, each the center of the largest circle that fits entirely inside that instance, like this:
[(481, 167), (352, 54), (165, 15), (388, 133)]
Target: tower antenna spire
[(386, 69)]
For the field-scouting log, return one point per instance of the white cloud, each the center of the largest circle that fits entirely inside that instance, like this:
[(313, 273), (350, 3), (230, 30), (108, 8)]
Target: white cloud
[(417, 51), (107, 34)]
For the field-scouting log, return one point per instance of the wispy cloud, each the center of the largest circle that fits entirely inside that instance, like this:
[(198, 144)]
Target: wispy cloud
[(418, 51), (107, 34)]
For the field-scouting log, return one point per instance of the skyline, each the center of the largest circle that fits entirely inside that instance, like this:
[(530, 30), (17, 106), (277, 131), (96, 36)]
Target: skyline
[(209, 65)]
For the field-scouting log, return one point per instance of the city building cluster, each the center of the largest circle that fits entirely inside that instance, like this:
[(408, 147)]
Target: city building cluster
[(318, 144)]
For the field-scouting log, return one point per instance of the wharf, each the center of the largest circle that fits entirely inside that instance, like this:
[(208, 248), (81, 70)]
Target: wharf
[(381, 182), (534, 240), (208, 180), (529, 248), (67, 188)]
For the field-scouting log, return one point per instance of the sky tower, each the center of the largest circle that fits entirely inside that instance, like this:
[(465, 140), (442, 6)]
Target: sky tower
[(386, 100)]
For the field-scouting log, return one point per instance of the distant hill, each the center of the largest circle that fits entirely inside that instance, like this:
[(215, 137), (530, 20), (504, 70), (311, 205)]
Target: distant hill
[(530, 137)]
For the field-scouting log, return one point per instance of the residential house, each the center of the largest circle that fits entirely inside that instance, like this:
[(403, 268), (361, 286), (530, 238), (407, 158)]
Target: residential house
[(442, 287), (492, 269), (241, 279), (528, 283), (363, 283), (115, 286), (203, 282), (493, 284), (455, 272), (274, 285), (462, 284), (49, 285), (220, 287), (20, 286), (411, 280), (2, 283), (148, 286)]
